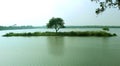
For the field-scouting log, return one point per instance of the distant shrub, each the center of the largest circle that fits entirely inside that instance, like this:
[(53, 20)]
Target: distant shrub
[(105, 28), (114, 34)]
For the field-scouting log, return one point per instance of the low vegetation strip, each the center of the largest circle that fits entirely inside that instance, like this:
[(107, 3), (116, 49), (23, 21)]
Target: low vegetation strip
[(72, 33)]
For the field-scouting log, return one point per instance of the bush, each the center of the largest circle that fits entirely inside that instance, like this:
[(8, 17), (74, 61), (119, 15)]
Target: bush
[(105, 28)]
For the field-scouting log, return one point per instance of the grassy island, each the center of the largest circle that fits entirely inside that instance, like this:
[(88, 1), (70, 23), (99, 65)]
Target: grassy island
[(72, 33)]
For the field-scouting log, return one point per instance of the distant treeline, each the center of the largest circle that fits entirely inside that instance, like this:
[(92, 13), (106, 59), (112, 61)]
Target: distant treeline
[(17, 27), (92, 26), (33, 27)]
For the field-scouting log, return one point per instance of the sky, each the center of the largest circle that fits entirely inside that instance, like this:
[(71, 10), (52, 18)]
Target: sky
[(38, 12)]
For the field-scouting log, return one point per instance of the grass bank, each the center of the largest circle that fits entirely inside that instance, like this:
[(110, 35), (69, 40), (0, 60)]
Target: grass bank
[(72, 33)]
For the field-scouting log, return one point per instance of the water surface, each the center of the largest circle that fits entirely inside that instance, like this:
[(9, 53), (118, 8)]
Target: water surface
[(59, 51)]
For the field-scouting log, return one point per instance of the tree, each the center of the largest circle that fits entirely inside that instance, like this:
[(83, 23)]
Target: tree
[(56, 23), (104, 4), (105, 28)]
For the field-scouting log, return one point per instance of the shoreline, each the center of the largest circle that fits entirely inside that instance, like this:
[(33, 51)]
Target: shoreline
[(71, 33)]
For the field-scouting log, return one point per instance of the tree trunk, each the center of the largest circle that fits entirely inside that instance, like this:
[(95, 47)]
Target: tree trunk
[(56, 29)]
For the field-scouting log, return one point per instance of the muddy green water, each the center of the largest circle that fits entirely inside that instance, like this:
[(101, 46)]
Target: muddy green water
[(59, 51)]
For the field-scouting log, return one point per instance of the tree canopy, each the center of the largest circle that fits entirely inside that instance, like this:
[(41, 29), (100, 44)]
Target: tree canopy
[(56, 23), (104, 4)]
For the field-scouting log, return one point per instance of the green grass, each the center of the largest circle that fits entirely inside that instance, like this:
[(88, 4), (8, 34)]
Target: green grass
[(72, 33)]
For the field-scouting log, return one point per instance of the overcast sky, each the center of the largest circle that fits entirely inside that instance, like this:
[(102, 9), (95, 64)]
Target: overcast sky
[(38, 12)]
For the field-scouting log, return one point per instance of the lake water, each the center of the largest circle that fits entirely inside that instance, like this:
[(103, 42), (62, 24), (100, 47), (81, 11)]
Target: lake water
[(59, 51)]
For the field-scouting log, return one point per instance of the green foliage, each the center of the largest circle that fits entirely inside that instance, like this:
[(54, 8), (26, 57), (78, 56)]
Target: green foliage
[(56, 23), (72, 33), (105, 28), (16, 27), (104, 4)]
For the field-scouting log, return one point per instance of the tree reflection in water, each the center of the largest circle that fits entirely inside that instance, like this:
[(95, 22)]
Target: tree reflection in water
[(56, 45)]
